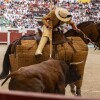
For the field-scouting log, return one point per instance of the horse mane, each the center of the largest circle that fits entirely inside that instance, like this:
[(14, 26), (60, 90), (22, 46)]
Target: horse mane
[(83, 24), (76, 33)]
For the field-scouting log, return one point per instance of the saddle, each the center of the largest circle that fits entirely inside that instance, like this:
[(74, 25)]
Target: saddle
[(59, 38)]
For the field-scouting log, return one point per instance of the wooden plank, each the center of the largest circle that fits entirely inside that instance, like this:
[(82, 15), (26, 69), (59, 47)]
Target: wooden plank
[(3, 37), (12, 95), (14, 36)]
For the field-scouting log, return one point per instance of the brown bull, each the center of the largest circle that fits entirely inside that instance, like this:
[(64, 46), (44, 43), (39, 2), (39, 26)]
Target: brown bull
[(50, 76)]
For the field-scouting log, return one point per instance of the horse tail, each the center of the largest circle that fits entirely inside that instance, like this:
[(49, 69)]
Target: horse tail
[(6, 63)]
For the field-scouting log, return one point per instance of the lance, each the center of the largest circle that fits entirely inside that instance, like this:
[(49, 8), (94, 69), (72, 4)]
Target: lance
[(51, 48)]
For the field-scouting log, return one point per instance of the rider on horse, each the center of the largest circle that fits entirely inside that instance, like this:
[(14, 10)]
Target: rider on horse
[(52, 21)]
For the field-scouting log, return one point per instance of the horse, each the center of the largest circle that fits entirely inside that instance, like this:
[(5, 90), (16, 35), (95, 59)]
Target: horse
[(90, 32), (70, 55), (84, 26)]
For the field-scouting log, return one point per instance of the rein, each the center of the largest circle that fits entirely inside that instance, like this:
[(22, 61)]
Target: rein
[(87, 38), (96, 43)]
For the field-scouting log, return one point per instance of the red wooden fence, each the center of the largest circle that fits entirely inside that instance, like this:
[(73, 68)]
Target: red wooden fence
[(8, 38), (14, 36), (30, 31), (13, 31), (12, 95), (3, 37)]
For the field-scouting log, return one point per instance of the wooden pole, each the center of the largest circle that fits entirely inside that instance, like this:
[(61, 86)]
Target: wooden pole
[(51, 32)]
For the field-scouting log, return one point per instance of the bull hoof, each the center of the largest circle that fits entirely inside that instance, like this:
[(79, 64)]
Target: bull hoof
[(72, 86), (73, 91), (78, 92)]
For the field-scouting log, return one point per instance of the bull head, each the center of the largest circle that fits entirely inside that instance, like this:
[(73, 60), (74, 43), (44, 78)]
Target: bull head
[(73, 73)]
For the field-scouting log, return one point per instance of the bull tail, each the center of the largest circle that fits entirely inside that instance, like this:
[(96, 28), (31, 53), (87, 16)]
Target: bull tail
[(13, 74), (6, 63), (6, 79)]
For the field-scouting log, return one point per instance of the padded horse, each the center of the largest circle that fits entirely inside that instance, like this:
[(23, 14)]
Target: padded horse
[(65, 52), (90, 32)]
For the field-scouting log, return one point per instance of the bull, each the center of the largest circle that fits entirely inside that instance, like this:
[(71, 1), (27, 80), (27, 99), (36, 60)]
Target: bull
[(49, 76)]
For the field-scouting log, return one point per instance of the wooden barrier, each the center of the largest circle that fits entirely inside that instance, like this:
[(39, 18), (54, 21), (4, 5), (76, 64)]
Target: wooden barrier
[(7, 37), (12, 95), (30, 32), (13, 31), (3, 37), (12, 35)]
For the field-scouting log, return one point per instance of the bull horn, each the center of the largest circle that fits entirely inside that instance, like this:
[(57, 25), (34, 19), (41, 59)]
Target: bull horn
[(76, 63)]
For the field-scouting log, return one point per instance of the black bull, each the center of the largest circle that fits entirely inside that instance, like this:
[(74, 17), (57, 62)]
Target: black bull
[(49, 76)]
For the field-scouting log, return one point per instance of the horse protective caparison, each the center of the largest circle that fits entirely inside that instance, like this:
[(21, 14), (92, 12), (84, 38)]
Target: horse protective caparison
[(90, 29), (61, 49)]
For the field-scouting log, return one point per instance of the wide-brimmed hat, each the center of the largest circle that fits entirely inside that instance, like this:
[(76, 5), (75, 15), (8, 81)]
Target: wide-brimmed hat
[(63, 14)]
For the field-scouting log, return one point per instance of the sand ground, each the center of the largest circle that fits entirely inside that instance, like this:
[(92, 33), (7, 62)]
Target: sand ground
[(91, 80)]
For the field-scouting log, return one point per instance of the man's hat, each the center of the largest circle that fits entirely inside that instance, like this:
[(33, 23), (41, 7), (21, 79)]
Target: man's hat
[(63, 14)]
